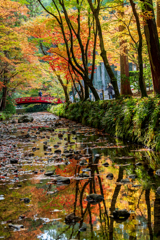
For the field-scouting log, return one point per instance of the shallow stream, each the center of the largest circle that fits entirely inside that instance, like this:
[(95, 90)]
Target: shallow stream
[(109, 190)]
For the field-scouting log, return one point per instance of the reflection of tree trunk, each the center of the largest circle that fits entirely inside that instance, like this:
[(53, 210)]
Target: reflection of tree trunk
[(76, 196), (147, 193), (132, 238), (90, 221), (113, 203), (157, 216)]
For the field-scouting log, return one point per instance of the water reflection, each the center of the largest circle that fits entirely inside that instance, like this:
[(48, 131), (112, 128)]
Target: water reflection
[(129, 207)]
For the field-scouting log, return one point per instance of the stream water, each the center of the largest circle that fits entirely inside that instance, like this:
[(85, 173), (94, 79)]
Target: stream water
[(109, 189)]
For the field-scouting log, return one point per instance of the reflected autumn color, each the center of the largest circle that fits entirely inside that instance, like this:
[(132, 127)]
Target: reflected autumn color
[(106, 190)]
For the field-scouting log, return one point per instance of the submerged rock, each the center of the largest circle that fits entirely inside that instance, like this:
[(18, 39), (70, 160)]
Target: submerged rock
[(158, 191), (94, 198), (84, 175), (60, 179), (15, 226), (138, 164), (49, 173), (83, 162), (83, 229), (121, 215), (158, 172), (132, 176), (86, 170), (106, 164), (58, 151), (109, 176), (25, 119), (25, 200), (13, 161), (72, 218), (125, 181)]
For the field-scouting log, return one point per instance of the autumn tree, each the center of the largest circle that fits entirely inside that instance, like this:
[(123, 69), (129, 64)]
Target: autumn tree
[(72, 33), (18, 65), (52, 52)]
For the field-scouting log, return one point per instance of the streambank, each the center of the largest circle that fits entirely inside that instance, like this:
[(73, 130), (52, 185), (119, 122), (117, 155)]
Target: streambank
[(136, 120)]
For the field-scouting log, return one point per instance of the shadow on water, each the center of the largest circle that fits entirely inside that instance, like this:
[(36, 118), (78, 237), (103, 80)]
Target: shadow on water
[(109, 190)]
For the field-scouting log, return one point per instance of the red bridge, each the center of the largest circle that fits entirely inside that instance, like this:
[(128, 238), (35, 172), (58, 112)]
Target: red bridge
[(28, 100)]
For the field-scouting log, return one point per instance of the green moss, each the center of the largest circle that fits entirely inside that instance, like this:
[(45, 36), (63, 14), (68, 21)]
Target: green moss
[(137, 120)]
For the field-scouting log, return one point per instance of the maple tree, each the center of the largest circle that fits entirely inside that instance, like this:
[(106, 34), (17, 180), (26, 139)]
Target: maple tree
[(77, 42), (18, 65)]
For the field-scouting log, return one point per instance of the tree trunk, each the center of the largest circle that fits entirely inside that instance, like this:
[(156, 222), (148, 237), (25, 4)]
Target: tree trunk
[(64, 88), (140, 59), (86, 90), (4, 97), (124, 65), (151, 35), (82, 91), (125, 83), (95, 94), (158, 13), (74, 100)]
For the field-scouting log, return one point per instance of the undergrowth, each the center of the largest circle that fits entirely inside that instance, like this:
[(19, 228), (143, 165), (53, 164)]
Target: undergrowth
[(137, 120)]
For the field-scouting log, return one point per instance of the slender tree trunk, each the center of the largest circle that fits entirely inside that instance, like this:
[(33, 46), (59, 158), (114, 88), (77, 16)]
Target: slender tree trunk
[(94, 91), (124, 65), (140, 59), (151, 34), (73, 91), (113, 202), (64, 88), (82, 91), (158, 14), (66, 93), (4, 98), (86, 90)]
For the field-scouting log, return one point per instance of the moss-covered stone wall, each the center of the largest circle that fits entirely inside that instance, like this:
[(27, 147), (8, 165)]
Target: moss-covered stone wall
[(136, 120)]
